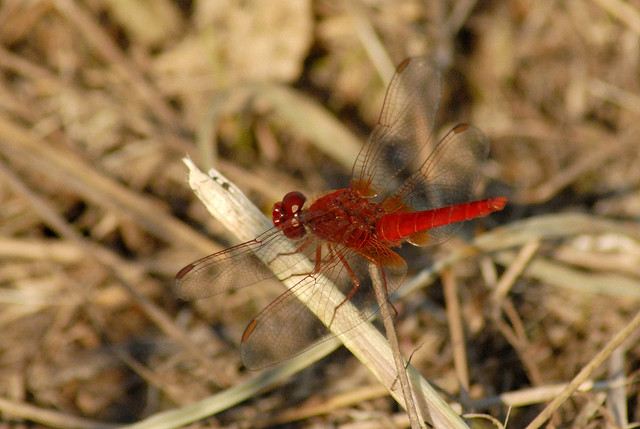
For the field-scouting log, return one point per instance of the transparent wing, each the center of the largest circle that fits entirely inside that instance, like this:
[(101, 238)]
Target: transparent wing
[(405, 127), (287, 327), (447, 177), (233, 268)]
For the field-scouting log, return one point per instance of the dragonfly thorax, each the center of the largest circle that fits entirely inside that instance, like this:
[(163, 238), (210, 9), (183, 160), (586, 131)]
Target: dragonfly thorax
[(344, 217)]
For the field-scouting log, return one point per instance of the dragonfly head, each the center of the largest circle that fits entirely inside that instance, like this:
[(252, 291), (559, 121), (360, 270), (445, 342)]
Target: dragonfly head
[(286, 214)]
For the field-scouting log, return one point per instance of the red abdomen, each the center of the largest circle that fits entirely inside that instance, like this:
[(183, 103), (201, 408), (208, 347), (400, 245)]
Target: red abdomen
[(397, 227)]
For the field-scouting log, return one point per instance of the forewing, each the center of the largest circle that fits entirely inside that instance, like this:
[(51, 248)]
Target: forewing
[(233, 268), (404, 128), (288, 327), (448, 177)]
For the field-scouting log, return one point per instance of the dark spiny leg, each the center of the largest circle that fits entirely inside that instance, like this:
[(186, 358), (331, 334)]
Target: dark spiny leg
[(352, 274), (306, 243)]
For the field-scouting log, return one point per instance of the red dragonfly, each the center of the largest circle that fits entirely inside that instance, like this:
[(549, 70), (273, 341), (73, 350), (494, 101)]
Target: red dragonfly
[(405, 186)]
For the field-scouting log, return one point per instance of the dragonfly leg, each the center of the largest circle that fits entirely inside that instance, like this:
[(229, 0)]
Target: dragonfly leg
[(352, 274), (300, 249)]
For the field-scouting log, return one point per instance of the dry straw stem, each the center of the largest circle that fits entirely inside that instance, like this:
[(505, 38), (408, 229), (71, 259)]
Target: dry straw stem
[(542, 394), (456, 332), (242, 218), (74, 173), (383, 301), (586, 372), (46, 417)]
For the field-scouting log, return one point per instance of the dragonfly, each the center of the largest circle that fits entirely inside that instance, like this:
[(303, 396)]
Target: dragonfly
[(406, 186)]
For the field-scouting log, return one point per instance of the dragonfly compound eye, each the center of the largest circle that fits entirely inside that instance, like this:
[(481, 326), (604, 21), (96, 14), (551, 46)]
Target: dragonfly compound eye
[(278, 214), (293, 202), (286, 213)]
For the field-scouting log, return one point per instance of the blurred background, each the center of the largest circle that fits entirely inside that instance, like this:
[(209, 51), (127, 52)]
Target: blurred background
[(100, 100)]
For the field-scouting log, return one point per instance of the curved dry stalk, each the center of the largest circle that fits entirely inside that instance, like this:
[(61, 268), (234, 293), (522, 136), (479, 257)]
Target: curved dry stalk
[(586, 372), (382, 296)]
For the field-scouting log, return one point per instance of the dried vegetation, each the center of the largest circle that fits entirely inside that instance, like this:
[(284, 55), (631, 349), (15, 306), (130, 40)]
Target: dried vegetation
[(100, 100)]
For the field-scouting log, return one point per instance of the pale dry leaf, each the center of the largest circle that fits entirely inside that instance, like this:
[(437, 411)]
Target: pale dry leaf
[(149, 22), (260, 41)]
